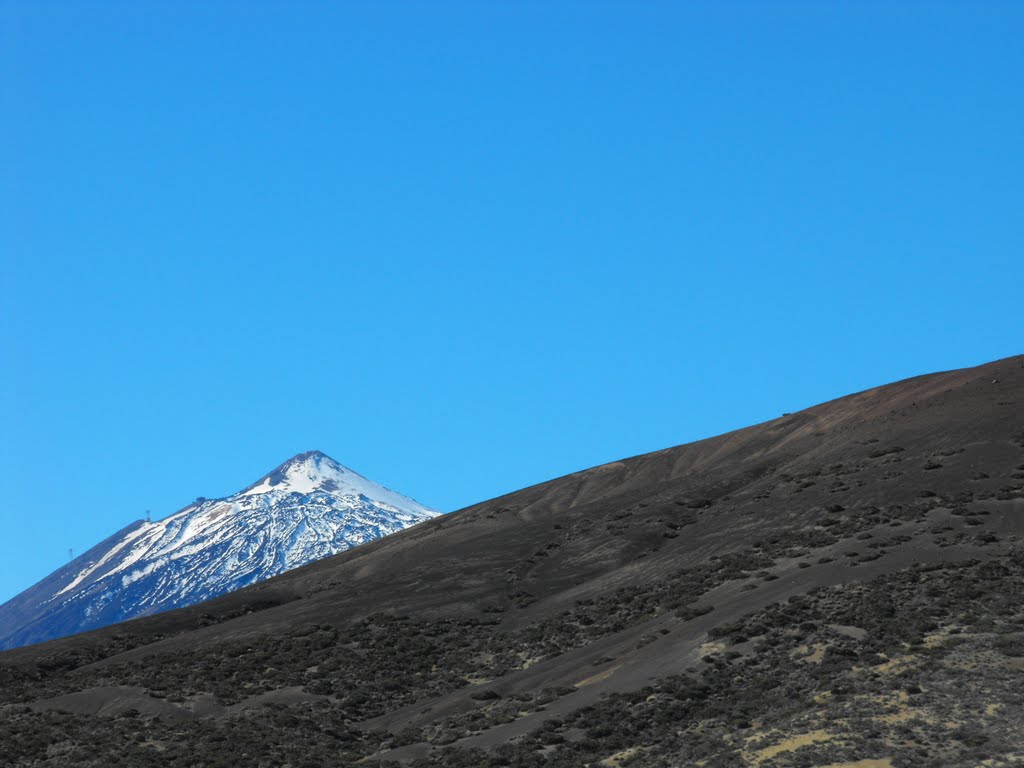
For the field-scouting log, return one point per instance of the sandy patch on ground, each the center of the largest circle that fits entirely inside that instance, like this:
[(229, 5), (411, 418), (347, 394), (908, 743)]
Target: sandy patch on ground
[(895, 665), (604, 675), (788, 745), (715, 646), (812, 654), (614, 761)]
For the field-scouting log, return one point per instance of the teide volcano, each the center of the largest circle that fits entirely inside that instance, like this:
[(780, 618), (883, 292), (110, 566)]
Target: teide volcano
[(308, 508)]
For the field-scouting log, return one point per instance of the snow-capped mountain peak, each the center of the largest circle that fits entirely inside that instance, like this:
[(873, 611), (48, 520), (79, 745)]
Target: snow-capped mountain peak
[(316, 471), (308, 508)]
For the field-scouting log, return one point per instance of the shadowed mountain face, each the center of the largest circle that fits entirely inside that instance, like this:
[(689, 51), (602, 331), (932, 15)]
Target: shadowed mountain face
[(837, 587)]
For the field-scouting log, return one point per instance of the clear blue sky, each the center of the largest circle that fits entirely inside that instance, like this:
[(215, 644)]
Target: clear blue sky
[(467, 247)]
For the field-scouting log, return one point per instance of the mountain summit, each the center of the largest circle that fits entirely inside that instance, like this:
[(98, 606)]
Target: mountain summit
[(308, 508), (314, 471)]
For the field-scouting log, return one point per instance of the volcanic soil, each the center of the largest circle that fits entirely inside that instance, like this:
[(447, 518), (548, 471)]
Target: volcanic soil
[(836, 587)]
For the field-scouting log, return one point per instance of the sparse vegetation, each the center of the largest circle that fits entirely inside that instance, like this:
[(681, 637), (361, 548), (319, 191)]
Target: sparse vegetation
[(710, 572)]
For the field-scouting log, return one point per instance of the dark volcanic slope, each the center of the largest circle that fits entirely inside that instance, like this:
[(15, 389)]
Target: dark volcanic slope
[(838, 587)]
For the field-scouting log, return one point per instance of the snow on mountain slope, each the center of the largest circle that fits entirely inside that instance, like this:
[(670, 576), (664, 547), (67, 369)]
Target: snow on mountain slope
[(308, 508)]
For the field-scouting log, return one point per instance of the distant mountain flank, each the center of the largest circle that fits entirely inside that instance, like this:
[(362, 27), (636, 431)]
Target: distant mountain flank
[(308, 508)]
